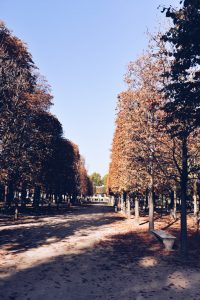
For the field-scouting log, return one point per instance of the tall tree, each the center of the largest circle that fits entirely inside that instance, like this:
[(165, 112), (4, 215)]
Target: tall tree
[(17, 80), (182, 92)]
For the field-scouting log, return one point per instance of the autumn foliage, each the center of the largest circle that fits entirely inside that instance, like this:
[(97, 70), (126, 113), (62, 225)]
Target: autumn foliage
[(155, 149), (37, 162)]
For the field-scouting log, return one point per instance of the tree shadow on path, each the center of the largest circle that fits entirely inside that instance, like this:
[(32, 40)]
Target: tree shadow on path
[(42, 230), (127, 266)]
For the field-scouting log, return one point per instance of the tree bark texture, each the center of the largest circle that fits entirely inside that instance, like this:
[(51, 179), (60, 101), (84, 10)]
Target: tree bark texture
[(184, 184)]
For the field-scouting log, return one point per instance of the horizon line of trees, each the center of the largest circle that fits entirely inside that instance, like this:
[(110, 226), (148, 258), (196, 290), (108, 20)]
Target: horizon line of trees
[(99, 183), (156, 143), (35, 158)]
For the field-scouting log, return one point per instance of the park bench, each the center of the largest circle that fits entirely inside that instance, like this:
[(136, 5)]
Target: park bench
[(167, 239)]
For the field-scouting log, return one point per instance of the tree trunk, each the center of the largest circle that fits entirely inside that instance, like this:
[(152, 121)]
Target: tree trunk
[(36, 198), (151, 206), (162, 204), (154, 200), (175, 204), (5, 193), (137, 213), (23, 196), (151, 211), (10, 194), (196, 208), (1, 192), (122, 203), (128, 211), (146, 199), (116, 203), (74, 199), (184, 183)]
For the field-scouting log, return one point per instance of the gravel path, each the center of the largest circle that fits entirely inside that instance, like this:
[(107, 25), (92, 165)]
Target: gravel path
[(90, 253)]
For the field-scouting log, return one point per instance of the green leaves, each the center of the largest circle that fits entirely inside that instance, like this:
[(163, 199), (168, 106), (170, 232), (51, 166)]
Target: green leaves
[(183, 89)]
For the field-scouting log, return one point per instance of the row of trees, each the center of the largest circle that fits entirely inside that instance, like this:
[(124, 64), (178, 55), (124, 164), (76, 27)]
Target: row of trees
[(99, 181), (156, 142), (35, 158)]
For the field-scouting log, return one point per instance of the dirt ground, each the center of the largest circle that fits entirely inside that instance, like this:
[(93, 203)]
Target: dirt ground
[(93, 253)]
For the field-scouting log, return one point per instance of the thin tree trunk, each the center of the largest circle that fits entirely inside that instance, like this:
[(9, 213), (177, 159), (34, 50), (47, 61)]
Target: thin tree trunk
[(151, 211), (184, 183), (171, 205), (10, 194), (151, 206), (137, 213), (128, 211), (196, 208), (74, 199), (175, 204), (154, 200), (122, 203), (23, 195), (125, 202), (5, 193), (162, 204), (36, 198), (116, 203), (146, 199)]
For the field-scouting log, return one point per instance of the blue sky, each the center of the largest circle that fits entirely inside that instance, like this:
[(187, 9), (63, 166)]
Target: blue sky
[(83, 47)]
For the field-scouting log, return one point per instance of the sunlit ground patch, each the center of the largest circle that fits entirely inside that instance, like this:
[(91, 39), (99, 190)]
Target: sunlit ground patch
[(148, 261), (179, 280)]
